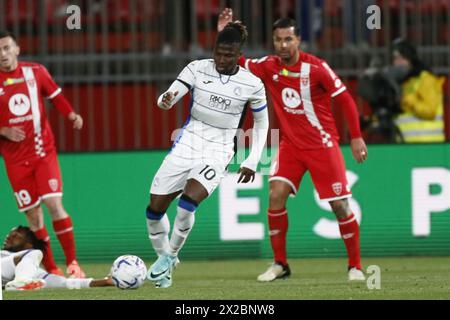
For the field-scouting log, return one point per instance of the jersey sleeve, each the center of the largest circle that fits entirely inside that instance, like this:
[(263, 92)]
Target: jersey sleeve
[(258, 100), (188, 75), (330, 81), (48, 86), (255, 66)]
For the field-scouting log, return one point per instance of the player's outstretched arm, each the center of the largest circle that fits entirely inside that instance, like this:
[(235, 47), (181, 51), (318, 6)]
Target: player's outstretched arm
[(176, 91), (106, 282)]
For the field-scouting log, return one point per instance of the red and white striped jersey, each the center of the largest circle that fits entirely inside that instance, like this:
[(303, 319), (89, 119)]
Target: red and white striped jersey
[(22, 94), (301, 95)]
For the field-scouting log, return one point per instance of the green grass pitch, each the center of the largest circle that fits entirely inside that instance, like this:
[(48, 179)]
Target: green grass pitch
[(401, 278)]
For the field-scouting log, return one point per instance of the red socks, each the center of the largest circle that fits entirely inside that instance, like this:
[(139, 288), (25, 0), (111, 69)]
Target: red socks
[(64, 231), (48, 260), (278, 225), (350, 234)]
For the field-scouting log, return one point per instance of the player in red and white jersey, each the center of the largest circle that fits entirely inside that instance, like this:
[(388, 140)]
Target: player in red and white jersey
[(28, 148), (301, 87)]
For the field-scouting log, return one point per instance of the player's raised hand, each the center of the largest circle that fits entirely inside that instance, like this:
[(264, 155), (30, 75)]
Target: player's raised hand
[(167, 99), (77, 120), (225, 17), (15, 134), (359, 150), (246, 175)]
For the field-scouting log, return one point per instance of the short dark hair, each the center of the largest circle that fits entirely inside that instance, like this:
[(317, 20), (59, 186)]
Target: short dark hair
[(286, 23), (406, 49), (6, 33), (234, 32), (31, 236)]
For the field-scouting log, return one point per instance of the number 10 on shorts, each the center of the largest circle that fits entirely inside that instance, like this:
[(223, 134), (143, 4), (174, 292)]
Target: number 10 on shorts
[(208, 172)]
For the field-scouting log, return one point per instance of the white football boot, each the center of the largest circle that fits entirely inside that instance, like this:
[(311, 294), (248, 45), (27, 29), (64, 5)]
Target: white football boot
[(355, 274), (275, 271)]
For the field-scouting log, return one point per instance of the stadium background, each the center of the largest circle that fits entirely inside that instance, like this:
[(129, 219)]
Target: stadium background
[(128, 52)]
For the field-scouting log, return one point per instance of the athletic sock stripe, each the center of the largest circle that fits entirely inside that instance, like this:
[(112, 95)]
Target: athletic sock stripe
[(277, 214), (64, 231), (151, 215), (186, 205), (283, 210), (350, 219)]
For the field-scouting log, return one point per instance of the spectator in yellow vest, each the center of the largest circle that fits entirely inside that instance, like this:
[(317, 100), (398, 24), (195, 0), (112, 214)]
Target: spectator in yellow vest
[(422, 100)]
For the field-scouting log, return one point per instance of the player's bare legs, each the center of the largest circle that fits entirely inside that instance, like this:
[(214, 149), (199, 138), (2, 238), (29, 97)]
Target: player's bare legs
[(63, 227), (35, 218), (278, 226), (349, 229)]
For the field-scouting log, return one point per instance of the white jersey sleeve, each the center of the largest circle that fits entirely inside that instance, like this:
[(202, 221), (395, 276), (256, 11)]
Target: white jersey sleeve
[(258, 100), (188, 74)]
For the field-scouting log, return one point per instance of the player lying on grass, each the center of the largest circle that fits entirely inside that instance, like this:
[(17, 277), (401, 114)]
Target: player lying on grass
[(21, 256)]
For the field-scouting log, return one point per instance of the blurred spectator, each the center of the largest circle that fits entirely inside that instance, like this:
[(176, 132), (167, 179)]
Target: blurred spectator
[(422, 101)]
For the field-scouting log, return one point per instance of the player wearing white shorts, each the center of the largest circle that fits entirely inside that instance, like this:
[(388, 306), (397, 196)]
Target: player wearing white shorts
[(220, 92), (21, 256)]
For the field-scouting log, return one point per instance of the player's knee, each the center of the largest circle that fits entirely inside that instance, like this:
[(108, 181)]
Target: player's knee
[(340, 208), (277, 198), (34, 218), (56, 209)]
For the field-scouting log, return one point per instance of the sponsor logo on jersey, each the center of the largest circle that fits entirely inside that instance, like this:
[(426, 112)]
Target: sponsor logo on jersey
[(237, 91), (276, 77), (2, 91), (11, 81), (21, 119), (53, 184), (337, 188), (19, 104), (207, 81), (218, 102), (291, 98)]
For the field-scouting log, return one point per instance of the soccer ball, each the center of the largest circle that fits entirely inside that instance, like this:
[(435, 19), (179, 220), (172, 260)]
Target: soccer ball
[(128, 272)]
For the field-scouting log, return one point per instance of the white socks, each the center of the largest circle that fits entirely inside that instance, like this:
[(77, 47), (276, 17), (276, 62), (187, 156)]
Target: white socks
[(159, 227), (158, 233), (184, 221)]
